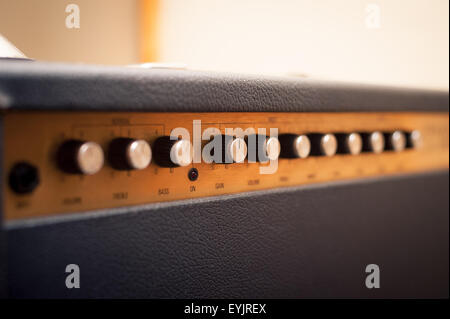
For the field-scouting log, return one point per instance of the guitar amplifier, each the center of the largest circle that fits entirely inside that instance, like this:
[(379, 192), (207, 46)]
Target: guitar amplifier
[(121, 182)]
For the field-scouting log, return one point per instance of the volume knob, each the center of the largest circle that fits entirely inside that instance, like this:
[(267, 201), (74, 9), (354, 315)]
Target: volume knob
[(80, 157), (172, 153), (127, 153), (263, 148)]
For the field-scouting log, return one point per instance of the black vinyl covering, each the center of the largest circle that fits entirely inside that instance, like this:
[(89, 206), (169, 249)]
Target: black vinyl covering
[(51, 86), (300, 242)]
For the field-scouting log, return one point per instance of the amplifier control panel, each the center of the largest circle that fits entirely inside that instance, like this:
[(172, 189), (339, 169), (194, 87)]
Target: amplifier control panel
[(63, 162)]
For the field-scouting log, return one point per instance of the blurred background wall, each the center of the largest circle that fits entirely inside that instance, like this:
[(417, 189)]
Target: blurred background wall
[(107, 34), (395, 42)]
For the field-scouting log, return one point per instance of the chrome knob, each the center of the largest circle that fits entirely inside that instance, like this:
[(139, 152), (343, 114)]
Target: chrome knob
[(323, 144), (181, 153), (80, 157), (262, 148), (225, 149), (172, 153), (395, 141), (128, 153), (373, 142), (294, 146), (236, 149), (349, 143), (415, 139)]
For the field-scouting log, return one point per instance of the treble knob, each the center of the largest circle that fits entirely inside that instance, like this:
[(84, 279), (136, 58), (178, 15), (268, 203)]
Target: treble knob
[(172, 152), (127, 153)]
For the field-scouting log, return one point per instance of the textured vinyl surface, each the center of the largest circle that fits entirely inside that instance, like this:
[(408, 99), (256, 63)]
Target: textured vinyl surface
[(51, 86), (303, 242)]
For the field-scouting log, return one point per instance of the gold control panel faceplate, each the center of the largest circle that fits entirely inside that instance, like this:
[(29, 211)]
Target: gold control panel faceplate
[(36, 137)]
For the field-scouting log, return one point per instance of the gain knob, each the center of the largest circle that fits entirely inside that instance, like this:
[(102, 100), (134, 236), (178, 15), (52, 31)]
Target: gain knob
[(294, 146), (323, 144), (262, 148), (395, 141), (127, 153), (235, 149), (80, 157), (373, 142), (349, 143), (172, 152), (232, 149)]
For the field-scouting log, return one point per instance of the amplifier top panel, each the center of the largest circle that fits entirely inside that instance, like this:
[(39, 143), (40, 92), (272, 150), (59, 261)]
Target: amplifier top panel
[(62, 162)]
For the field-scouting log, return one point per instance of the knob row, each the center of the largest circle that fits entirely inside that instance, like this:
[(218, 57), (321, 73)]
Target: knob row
[(302, 146), (86, 157)]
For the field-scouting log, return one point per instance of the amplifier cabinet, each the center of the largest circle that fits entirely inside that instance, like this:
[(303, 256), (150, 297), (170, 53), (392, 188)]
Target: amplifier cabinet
[(323, 184)]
